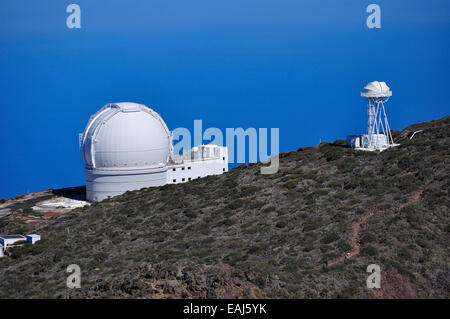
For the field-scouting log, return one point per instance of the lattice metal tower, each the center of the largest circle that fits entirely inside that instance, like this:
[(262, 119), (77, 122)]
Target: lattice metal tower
[(378, 135)]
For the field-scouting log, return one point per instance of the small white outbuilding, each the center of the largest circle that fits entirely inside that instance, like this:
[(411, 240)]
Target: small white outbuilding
[(33, 238), (9, 240)]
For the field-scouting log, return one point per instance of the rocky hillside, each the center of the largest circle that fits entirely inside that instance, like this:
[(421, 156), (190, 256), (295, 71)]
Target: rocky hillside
[(247, 235)]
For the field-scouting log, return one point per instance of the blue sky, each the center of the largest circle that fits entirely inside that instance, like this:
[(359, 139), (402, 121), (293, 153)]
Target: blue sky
[(292, 64)]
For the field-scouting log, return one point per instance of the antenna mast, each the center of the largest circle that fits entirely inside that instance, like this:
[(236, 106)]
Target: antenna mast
[(378, 136)]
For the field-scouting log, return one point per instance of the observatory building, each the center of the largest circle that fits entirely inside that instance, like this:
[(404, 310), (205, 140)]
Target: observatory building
[(378, 136), (127, 146)]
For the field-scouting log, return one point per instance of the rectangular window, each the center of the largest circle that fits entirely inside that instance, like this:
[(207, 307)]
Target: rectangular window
[(174, 180), (182, 179), (189, 179), (173, 169), (223, 169), (182, 168), (189, 167), (223, 158)]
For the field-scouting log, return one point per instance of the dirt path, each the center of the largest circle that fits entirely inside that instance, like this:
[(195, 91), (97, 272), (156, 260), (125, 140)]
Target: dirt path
[(356, 227), (354, 239)]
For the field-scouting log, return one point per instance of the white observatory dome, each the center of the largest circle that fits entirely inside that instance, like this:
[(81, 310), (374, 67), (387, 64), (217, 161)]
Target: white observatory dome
[(125, 146), (376, 89), (125, 136)]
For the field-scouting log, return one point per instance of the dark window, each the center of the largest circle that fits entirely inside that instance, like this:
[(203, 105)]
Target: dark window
[(189, 167), (174, 180), (223, 169), (189, 179), (182, 168), (173, 169), (223, 158), (182, 179)]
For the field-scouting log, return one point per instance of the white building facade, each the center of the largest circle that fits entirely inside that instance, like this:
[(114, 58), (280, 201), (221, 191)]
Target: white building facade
[(201, 161), (127, 146)]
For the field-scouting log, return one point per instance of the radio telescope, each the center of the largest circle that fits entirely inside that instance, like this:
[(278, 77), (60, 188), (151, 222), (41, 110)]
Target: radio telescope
[(378, 136)]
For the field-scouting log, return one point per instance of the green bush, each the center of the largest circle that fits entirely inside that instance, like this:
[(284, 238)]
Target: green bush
[(341, 195), (248, 191), (190, 213), (281, 224), (237, 203), (311, 224), (369, 251), (291, 184), (367, 238), (347, 164), (269, 209), (329, 238), (308, 248)]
